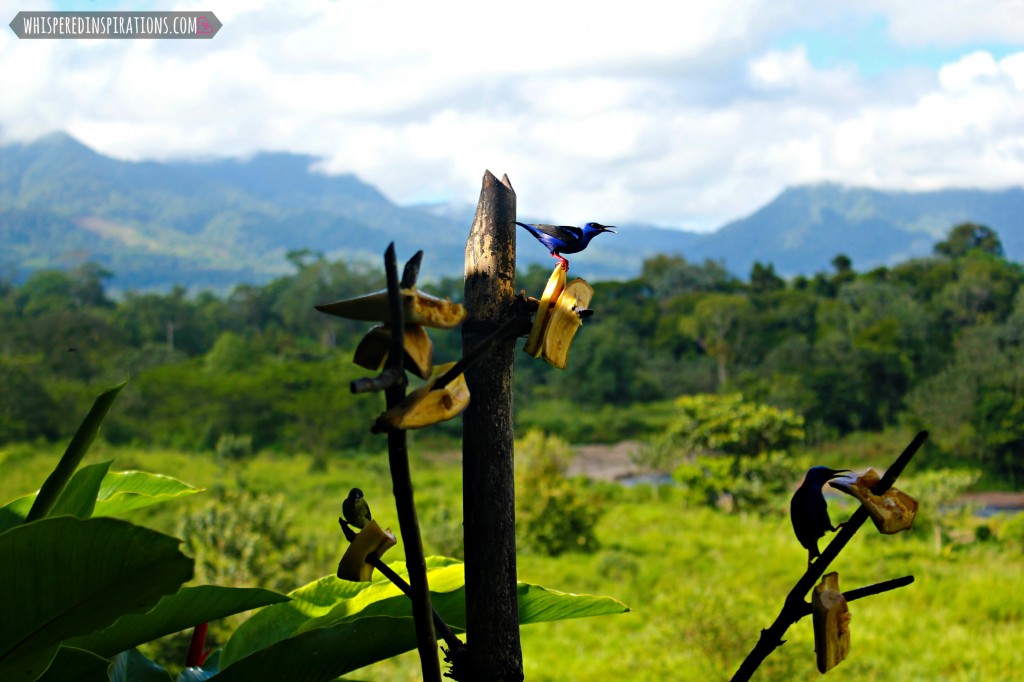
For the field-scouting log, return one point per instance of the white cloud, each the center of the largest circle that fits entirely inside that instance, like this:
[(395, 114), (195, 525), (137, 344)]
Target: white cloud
[(781, 69), (681, 114)]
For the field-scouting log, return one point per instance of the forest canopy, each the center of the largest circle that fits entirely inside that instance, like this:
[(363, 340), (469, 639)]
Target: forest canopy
[(935, 343)]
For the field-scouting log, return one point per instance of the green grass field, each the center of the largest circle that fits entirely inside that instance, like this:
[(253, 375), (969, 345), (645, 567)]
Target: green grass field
[(700, 583)]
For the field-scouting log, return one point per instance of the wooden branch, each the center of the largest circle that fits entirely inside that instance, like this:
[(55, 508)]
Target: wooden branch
[(401, 480), (389, 377), (412, 270), (771, 638), (866, 591), (488, 483)]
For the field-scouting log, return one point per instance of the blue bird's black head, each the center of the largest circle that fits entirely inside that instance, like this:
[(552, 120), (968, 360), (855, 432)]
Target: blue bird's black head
[(591, 230), (355, 494), (819, 475)]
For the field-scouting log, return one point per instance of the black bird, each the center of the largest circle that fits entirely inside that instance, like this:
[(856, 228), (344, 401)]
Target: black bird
[(809, 511), (559, 239), (355, 510)]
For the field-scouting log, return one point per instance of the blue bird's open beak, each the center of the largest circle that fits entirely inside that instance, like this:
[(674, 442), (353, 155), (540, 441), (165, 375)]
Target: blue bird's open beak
[(608, 228)]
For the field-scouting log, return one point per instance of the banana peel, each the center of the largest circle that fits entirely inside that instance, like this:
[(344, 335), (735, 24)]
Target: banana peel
[(370, 540), (831, 617), (563, 322), (891, 512), (418, 308), (373, 350), (555, 285), (426, 406)]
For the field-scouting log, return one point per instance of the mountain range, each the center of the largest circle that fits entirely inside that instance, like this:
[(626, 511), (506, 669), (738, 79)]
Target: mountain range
[(213, 224)]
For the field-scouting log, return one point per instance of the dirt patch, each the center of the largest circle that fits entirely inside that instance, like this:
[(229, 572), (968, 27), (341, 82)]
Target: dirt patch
[(993, 500), (606, 462)]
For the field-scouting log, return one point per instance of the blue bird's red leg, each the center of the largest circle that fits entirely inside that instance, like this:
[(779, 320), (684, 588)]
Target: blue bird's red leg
[(564, 262)]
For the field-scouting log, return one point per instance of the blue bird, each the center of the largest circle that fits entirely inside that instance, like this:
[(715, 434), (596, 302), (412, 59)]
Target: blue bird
[(809, 511), (561, 239)]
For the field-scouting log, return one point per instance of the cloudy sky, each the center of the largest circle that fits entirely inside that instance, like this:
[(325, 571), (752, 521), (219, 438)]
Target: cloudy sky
[(679, 113)]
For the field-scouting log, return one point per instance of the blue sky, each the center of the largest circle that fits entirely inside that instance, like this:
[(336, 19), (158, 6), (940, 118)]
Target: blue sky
[(867, 43), (687, 114)]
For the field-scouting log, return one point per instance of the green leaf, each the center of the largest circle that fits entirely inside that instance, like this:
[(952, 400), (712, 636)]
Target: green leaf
[(64, 577), (124, 491), (385, 599), (325, 653), (79, 497), (79, 445), (277, 622), (541, 605), (313, 600), (132, 666), (185, 609), (369, 622), (119, 492), (76, 665), (14, 512)]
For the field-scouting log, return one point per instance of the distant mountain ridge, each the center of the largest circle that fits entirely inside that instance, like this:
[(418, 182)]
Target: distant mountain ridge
[(219, 223), (802, 229)]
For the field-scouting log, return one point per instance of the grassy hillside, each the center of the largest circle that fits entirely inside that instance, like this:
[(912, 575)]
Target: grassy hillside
[(701, 583)]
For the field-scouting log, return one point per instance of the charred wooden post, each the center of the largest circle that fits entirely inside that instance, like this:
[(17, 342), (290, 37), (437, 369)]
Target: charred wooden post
[(401, 479), (488, 488)]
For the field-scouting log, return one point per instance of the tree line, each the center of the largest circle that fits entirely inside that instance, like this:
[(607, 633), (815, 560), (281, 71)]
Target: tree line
[(934, 343)]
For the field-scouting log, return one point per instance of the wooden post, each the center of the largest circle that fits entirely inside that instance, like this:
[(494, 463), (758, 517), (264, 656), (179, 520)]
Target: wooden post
[(401, 477), (488, 487)]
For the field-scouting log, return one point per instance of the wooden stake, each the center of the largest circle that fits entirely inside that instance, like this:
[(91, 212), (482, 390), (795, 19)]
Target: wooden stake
[(488, 488)]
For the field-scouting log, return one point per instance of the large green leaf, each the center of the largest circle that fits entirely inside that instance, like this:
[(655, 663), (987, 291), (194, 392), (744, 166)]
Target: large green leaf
[(277, 622), (14, 512), (313, 600), (64, 577), (54, 485), (119, 491), (76, 665), (124, 491), (79, 497), (369, 622), (132, 666), (385, 599), (325, 653), (187, 608), (541, 605)]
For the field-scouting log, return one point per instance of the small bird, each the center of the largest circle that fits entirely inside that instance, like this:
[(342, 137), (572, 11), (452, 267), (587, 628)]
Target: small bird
[(355, 510), (809, 511), (561, 239)]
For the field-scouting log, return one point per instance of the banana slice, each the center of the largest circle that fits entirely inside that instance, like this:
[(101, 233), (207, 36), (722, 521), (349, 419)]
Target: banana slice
[(418, 308), (831, 617), (426, 406), (563, 322), (371, 539), (372, 351), (892, 512), (555, 285)]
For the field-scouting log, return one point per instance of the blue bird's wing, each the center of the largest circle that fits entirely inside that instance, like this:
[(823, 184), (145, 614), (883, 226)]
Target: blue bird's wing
[(809, 514), (558, 239), (567, 234), (555, 235)]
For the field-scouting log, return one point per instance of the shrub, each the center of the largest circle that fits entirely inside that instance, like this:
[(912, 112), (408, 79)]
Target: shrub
[(552, 515), (740, 483)]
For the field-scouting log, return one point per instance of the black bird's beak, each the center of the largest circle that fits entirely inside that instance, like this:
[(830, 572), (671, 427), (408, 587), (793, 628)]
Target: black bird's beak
[(608, 228), (837, 472)]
